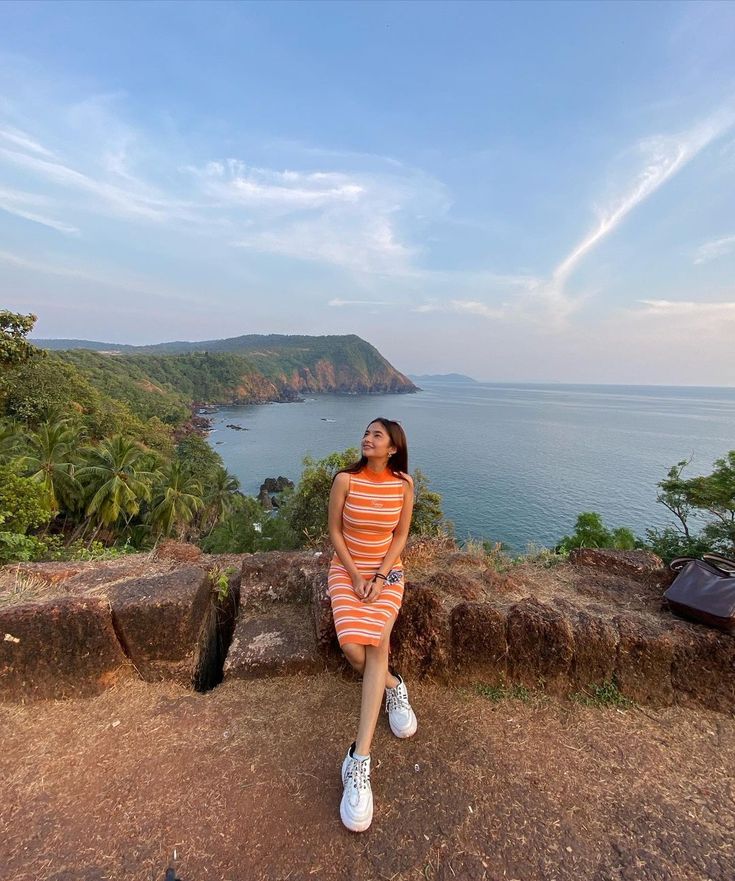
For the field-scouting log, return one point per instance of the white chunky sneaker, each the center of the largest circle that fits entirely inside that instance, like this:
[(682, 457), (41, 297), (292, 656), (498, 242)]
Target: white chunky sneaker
[(401, 716), (356, 808)]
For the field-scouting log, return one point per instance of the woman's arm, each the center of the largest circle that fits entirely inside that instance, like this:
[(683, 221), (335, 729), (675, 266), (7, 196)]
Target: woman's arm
[(400, 537), (337, 498)]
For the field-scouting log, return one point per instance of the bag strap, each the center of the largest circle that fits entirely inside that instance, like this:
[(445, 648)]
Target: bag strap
[(723, 566), (678, 563), (720, 561)]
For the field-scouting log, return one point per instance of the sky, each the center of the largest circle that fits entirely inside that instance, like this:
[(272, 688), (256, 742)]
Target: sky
[(521, 192)]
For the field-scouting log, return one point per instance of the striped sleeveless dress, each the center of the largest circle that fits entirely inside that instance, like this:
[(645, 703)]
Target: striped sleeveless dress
[(372, 510)]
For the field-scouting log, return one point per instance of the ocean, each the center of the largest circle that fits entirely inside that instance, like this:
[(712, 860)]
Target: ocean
[(514, 462)]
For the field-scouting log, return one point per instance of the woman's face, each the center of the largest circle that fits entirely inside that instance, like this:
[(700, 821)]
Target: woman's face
[(376, 442)]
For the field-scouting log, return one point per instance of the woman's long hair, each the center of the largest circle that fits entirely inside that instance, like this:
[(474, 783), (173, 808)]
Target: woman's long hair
[(398, 461)]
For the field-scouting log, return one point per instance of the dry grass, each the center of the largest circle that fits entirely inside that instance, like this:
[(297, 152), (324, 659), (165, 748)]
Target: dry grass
[(18, 587), (244, 782)]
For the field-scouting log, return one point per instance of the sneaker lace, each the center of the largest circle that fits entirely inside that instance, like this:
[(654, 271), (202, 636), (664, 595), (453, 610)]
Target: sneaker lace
[(396, 699), (358, 773)]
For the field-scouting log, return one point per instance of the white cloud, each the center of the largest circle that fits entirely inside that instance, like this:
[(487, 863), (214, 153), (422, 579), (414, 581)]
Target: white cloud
[(687, 309), (546, 302), (663, 157), (234, 180), (336, 301), (467, 307), (712, 250), (25, 204), (24, 141)]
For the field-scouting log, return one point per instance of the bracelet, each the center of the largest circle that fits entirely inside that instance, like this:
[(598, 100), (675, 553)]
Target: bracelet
[(380, 575)]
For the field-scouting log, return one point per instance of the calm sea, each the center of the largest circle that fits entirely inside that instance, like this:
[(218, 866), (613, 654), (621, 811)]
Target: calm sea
[(514, 462)]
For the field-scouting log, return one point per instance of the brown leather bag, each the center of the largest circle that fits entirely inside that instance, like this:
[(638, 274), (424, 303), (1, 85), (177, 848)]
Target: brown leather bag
[(704, 590)]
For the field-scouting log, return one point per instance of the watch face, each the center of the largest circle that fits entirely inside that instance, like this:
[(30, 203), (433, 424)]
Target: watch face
[(394, 576)]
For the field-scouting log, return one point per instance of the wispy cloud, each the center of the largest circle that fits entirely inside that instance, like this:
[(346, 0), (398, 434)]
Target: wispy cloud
[(547, 302), (355, 220), (24, 141), (336, 301), (25, 205), (124, 201), (712, 250), (359, 213), (467, 307), (687, 309), (663, 157), (120, 280), (233, 180)]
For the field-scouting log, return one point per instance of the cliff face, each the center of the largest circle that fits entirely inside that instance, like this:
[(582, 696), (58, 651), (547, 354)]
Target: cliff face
[(244, 370)]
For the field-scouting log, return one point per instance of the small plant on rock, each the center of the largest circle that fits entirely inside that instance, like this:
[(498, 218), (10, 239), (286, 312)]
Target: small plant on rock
[(503, 692), (606, 695), (220, 580)]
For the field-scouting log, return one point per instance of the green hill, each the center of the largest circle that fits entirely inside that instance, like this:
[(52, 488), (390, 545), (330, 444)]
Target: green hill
[(112, 384)]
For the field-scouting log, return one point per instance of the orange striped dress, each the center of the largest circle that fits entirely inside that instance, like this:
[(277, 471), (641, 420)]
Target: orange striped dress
[(371, 512)]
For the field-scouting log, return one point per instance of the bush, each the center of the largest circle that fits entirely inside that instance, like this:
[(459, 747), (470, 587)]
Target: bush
[(669, 542), (15, 548), (250, 528), (23, 502), (305, 510), (590, 532)]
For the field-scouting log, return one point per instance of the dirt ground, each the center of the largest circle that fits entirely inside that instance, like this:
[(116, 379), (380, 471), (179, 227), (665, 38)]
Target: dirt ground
[(244, 782)]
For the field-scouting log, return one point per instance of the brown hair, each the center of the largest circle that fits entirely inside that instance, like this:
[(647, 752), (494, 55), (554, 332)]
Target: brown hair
[(398, 461)]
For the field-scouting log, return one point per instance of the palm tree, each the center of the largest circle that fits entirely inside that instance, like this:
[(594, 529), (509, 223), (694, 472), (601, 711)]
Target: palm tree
[(10, 440), (51, 460), (178, 498), (115, 480), (220, 495)]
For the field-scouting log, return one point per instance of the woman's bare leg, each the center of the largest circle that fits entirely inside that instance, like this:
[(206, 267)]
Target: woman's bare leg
[(355, 654), (373, 682)]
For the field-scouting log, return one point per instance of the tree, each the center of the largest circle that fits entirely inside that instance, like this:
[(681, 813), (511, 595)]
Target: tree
[(14, 347), (10, 440), (115, 484), (222, 489), (590, 532), (178, 497), (306, 508), (194, 451), (715, 493), (51, 459), (240, 532), (428, 517), (674, 495), (712, 494)]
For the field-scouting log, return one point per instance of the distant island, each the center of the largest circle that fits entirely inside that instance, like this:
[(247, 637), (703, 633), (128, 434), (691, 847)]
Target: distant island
[(442, 377)]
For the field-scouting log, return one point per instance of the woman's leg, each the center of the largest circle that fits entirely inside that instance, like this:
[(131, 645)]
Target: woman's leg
[(374, 680), (355, 654)]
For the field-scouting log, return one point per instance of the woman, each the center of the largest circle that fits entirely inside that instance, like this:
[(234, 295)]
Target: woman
[(370, 508)]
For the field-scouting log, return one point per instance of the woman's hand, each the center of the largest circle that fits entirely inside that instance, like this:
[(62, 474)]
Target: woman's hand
[(375, 588), (360, 584)]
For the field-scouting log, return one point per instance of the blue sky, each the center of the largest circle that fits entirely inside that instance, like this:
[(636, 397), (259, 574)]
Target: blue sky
[(514, 191)]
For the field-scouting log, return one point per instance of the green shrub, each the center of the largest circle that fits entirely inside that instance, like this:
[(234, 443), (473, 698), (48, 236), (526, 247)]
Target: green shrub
[(605, 695), (24, 503), (590, 532), (15, 548), (503, 692)]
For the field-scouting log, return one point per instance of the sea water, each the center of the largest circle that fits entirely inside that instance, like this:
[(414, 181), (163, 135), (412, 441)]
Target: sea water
[(513, 462)]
